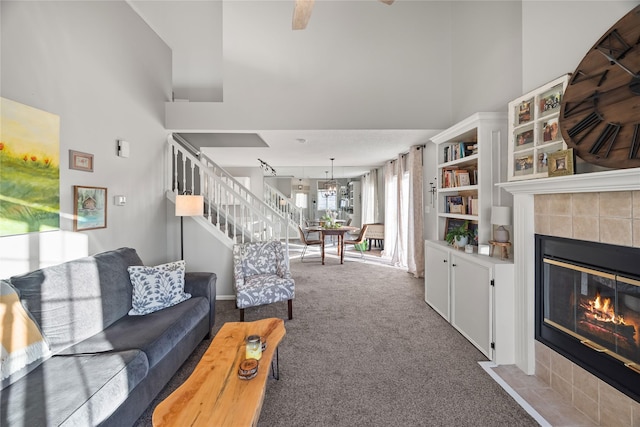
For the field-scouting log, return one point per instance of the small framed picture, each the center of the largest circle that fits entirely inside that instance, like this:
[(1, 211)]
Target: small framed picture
[(523, 164), (562, 162), (473, 228), (89, 208), (80, 161), (523, 139), (453, 223), (550, 101), (550, 131), (524, 111)]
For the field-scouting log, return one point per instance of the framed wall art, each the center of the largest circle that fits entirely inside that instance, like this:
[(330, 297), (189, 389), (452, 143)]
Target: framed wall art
[(534, 130), (80, 161), (29, 169), (89, 208)]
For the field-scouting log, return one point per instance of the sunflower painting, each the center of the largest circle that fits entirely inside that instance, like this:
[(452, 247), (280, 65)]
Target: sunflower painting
[(29, 169)]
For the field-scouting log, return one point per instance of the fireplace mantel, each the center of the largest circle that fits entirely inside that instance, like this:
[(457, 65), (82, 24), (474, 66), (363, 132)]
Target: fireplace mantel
[(612, 180), (523, 241)]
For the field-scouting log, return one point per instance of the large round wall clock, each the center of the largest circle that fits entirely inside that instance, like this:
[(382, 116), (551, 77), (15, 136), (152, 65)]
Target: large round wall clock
[(600, 110)]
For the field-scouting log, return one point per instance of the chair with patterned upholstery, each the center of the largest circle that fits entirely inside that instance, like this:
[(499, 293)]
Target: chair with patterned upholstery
[(261, 275)]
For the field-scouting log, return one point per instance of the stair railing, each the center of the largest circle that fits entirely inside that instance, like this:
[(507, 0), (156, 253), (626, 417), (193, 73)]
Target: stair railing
[(281, 203), (229, 206)]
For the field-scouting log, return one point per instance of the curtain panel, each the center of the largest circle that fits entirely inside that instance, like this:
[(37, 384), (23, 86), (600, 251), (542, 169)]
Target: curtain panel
[(404, 210)]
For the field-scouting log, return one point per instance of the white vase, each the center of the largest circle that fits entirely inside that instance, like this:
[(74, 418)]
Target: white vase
[(461, 241)]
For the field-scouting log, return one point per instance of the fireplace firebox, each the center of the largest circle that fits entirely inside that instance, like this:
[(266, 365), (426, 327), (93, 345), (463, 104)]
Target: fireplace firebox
[(588, 307)]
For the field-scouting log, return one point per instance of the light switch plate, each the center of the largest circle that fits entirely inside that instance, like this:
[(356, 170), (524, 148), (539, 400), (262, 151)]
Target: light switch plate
[(123, 148)]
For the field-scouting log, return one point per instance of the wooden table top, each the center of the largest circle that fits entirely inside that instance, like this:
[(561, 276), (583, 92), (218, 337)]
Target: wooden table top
[(340, 230), (214, 395)]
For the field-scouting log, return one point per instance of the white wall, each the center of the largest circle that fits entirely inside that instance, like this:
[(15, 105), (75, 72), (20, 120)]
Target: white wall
[(486, 62), (556, 36), (193, 30), (107, 75), (366, 61), (256, 178)]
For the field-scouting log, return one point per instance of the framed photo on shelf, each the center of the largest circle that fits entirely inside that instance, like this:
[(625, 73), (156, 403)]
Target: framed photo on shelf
[(523, 164), (534, 130), (550, 130), (562, 162), (524, 139), (80, 161), (473, 228), (89, 208), (550, 101), (524, 111), (451, 224)]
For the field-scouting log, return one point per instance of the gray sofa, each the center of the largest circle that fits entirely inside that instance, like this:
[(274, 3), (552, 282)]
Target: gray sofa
[(106, 366)]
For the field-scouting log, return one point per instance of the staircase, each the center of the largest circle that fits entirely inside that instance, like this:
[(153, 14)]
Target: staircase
[(288, 210), (230, 208)]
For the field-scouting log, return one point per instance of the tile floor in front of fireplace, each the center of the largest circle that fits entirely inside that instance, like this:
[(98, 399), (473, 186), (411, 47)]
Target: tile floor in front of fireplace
[(552, 407)]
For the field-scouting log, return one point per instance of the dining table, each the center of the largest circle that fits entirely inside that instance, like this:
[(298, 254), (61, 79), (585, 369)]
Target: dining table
[(340, 232)]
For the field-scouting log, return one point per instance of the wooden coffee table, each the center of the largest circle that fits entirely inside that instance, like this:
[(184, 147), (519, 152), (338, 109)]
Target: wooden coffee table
[(214, 395)]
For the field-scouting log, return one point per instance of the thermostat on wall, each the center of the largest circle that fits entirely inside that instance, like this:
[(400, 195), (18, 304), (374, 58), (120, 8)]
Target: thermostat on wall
[(123, 148)]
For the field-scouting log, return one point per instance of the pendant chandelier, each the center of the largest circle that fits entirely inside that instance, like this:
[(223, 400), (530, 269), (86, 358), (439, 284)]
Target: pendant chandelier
[(331, 187)]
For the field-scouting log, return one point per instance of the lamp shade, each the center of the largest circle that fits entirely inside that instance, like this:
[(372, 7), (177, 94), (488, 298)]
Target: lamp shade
[(501, 215), (189, 205)]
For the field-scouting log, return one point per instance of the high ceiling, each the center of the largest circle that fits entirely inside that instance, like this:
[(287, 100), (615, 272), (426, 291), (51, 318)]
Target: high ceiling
[(356, 50)]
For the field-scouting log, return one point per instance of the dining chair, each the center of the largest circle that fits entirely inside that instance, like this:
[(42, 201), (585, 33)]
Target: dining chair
[(362, 238), (304, 239), (261, 275)]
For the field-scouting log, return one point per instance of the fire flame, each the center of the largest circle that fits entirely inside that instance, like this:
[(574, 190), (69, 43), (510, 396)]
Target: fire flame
[(602, 310)]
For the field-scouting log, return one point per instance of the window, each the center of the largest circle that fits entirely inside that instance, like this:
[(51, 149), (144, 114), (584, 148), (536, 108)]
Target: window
[(325, 203), (301, 200)]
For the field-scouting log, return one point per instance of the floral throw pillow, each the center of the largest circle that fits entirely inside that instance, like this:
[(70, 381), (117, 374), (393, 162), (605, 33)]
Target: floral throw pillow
[(155, 288)]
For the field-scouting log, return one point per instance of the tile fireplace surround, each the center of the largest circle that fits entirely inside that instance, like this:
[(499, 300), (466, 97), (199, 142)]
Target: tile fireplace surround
[(601, 207)]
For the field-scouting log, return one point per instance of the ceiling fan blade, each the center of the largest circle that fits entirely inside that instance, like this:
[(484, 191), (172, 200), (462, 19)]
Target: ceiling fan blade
[(387, 1), (302, 13)]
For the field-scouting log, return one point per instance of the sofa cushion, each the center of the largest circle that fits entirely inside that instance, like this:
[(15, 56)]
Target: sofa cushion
[(155, 334), (66, 300), (77, 390), (155, 288), (22, 346)]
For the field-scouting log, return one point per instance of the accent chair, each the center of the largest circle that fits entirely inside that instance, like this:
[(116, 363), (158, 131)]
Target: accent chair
[(261, 275)]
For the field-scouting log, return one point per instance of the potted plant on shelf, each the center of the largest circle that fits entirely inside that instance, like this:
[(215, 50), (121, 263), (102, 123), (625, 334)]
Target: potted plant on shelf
[(459, 235)]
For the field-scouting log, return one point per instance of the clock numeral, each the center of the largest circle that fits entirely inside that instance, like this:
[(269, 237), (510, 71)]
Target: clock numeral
[(614, 45), (586, 124), (589, 103), (581, 76), (609, 133), (635, 141)]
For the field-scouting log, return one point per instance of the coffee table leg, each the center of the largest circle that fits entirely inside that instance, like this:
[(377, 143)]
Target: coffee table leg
[(322, 250), (275, 366)]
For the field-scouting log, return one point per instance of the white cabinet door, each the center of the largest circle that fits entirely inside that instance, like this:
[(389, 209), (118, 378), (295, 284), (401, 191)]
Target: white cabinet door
[(472, 302), (436, 280)]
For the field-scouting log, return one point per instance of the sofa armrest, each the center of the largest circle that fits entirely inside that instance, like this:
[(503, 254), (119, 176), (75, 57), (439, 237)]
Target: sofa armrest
[(203, 285)]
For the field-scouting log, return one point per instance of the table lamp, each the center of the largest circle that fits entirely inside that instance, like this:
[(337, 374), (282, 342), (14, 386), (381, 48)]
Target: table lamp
[(501, 216), (188, 205)]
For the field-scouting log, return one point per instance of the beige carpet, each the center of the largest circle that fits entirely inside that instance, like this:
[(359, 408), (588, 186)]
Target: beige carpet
[(364, 349)]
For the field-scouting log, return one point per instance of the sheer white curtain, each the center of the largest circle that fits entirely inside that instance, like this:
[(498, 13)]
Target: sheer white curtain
[(403, 229), (369, 197), (390, 209), (393, 249)]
